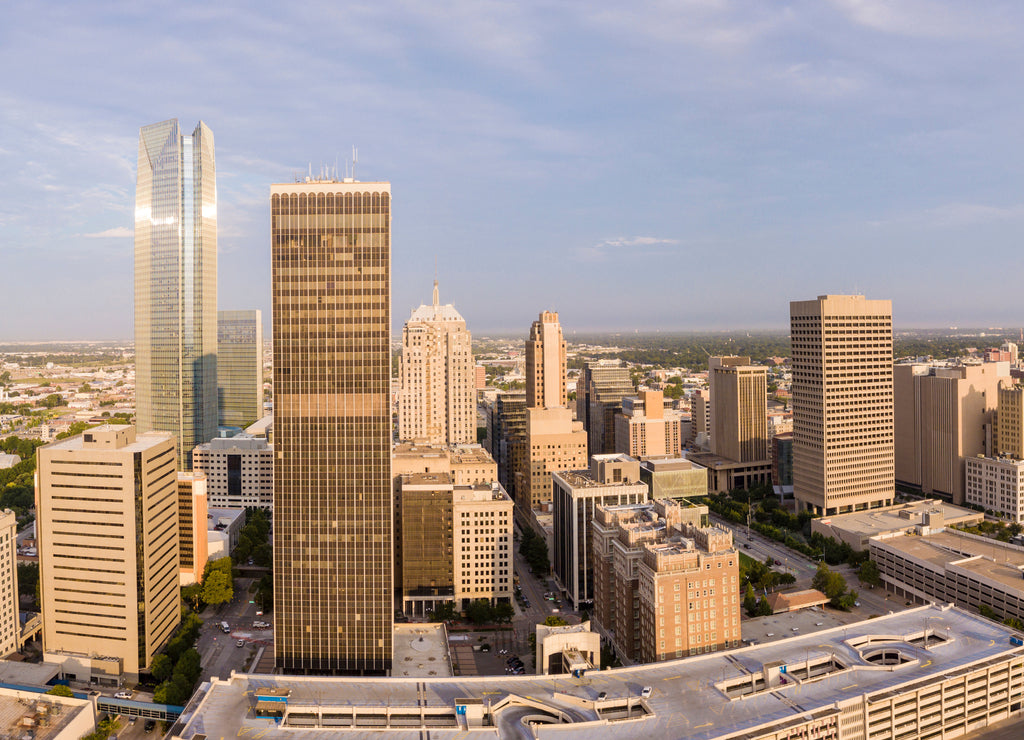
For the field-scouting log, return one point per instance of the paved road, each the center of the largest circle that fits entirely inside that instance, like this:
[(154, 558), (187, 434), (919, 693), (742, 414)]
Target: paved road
[(219, 651), (526, 619), (761, 547)]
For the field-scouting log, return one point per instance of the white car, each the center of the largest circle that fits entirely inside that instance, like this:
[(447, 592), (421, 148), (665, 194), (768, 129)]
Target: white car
[(123, 695), (646, 692)]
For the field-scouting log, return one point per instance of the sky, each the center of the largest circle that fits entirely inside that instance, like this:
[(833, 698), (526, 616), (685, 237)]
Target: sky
[(653, 165)]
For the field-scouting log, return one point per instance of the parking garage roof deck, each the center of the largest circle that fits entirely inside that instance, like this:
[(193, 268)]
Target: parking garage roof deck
[(686, 699)]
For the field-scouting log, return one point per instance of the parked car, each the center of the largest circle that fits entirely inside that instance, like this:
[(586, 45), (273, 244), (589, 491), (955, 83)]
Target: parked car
[(123, 694), (646, 692), (602, 696), (150, 724), (239, 643)]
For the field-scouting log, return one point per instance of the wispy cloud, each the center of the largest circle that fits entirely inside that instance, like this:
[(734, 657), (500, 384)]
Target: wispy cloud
[(952, 215), (118, 232), (633, 244), (922, 17)]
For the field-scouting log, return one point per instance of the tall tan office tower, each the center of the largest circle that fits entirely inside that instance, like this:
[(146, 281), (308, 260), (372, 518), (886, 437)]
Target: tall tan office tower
[(437, 401), (739, 408), (842, 403), (239, 367), (1010, 420), (176, 285), (545, 363), (554, 441), (331, 244), (107, 527)]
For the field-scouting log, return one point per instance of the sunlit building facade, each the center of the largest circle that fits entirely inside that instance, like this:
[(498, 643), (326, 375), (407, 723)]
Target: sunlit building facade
[(176, 285), (333, 591), (239, 367)]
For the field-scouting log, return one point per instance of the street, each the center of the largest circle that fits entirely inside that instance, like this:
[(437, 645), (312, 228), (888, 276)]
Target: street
[(219, 650)]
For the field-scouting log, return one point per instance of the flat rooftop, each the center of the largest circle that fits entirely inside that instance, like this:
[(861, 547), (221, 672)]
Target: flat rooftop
[(421, 651), (696, 697), (990, 559), (897, 518)]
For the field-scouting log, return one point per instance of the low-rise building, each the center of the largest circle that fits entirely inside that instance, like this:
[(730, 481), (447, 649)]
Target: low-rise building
[(920, 517), (671, 476), (223, 527), (725, 475), (996, 484), (569, 648)]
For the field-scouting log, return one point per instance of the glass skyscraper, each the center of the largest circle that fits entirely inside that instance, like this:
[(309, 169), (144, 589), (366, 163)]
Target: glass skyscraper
[(176, 285), (240, 367), (333, 583)]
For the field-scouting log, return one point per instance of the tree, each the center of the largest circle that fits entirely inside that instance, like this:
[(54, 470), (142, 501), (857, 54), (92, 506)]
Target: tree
[(764, 609), (193, 595), (829, 582), (28, 578), (479, 611), (443, 612), (750, 601), (161, 668), (52, 401), (868, 573), (554, 620), (218, 588), (535, 550), (503, 613), (61, 690)]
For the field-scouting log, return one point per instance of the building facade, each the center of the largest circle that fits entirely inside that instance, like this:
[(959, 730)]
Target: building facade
[(192, 527), (239, 367), (176, 285), (674, 477), (554, 441), (107, 531), (333, 590), (739, 408), (545, 363), (506, 436), (942, 415), (842, 403), (645, 428), (611, 480), (700, 417), (997, 484), (453, 542), (1010, 424), (239, 471), (599, 393), (437, 400), (10, 625)]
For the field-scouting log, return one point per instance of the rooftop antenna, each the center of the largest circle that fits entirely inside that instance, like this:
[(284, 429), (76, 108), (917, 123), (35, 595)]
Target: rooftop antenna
[(355, 158)]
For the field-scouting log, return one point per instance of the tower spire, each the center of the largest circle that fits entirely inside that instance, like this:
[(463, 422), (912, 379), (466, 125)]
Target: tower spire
[(436, 300)]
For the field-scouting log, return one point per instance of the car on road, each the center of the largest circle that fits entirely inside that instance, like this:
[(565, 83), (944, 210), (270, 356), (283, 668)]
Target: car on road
[(150, 724), (123, 695), (239, 643)]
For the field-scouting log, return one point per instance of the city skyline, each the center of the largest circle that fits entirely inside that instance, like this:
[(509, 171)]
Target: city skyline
[(779, 146)]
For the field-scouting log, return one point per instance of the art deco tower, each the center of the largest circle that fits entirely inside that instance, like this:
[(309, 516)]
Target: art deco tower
[(843, 443), (176, 285), (333, 595), (437, 402)]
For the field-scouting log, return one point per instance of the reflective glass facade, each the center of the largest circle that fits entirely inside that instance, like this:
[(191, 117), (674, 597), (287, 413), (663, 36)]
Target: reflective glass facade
[(239, 367), (333, 590), (176, 285)]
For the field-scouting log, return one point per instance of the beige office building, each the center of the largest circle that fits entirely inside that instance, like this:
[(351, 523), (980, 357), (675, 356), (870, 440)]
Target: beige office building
[(942, 416), (437, 400), (466, 464), (239, 471), (333, 590), (192, 527), (700, 416), (107, 528), (545, 363), (1010, 421), (10, 626), (842, 403), (739, 409), (997, 484), (453, 542), (645, 428), (553, 442)]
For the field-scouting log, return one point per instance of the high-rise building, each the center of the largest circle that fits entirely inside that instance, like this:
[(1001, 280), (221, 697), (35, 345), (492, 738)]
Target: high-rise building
[(107, 531), (453, 542), (437, 400), (192, 526), (240, 367), (10, 626), (996, 484), (782, 459), (239, 471), (739, 408), (176, 285), (645, 428), (545, 363), (942, 415), (611, 480), (842, 403), (333, 591), (630, 556), (700, 416), (506, 435), (1010, 421), (599, 395)]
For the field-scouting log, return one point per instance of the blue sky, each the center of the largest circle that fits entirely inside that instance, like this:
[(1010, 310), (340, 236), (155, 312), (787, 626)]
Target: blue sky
[(681, 165)]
